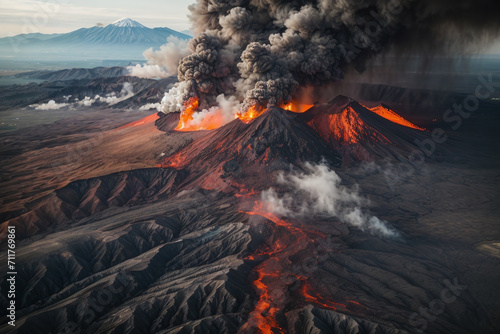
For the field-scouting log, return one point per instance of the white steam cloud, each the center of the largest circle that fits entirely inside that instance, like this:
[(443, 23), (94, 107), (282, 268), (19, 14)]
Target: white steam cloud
[(223, 113), (174, 100), (51, 105), (318, 191), (149, 106), (110, 99), (162, 63)]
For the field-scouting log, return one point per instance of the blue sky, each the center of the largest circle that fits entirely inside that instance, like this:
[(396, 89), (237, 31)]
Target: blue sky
[(51, 16)]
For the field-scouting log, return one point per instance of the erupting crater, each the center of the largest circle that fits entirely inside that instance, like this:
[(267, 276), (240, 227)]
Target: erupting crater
[(193, 120), (363, 134)]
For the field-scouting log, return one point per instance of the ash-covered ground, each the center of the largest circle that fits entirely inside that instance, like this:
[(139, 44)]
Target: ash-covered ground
[(124, 225)]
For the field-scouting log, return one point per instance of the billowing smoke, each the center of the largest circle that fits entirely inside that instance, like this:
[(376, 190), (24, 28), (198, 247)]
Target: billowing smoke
[(318, 192), (261, 51), (161, 63)]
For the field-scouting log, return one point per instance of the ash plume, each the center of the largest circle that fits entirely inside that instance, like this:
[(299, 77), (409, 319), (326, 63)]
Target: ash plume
[(318, 192), (261, 51)]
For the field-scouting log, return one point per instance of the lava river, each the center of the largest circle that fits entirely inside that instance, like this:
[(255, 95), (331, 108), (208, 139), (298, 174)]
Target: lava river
[(278, 281)]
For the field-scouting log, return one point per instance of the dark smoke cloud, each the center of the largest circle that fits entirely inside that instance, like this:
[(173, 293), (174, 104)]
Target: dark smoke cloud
[(261, 51)]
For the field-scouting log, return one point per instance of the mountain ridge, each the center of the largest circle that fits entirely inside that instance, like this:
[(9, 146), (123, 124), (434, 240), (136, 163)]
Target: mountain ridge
[(124, 39)]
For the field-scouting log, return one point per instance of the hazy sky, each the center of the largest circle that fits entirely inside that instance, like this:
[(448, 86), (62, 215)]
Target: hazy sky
[(56, 16), (50, 16)]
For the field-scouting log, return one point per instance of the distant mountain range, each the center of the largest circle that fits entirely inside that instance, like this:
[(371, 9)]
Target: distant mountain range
[(124, 39)]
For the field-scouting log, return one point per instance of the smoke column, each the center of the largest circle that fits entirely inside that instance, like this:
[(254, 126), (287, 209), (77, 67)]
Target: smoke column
[(261, 51)]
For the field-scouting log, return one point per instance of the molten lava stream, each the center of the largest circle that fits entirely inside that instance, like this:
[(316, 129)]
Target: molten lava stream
[(296, 107), (252, 113), (393, 117), (146, 120), (318, 299), (273, 279), (190, 107)]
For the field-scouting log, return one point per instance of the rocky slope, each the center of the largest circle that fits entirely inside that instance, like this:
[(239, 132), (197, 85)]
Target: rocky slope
[(109, 243)]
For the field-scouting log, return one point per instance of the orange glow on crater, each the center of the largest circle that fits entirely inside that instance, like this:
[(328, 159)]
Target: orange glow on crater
[(214, 118), (252, 113), (348, 127), (210, 120), (187, 115), (393, 117), (294, 106), (143, 121)]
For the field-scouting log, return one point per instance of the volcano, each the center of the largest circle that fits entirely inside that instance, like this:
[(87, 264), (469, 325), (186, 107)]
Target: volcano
[(363, 134), (241, 150), (183, 241), (231, 159)]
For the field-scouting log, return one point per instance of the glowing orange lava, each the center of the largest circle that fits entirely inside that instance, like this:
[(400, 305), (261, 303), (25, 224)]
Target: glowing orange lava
[(190, 107), (214, 118), (264, 314), (243, 192), (294, 106), (274, 273), (252, 113), (208, 120), (348, 127), (146, 120), (318, 299), (176, 161), (393, 117)]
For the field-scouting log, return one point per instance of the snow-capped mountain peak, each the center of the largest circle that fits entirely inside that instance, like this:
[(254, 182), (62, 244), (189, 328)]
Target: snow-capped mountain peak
[(126, 22)]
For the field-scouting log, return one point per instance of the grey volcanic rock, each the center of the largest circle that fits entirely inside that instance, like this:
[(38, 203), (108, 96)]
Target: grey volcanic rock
[(167, 122), (162, 265), (75, 74), (84, 198), (144, 91), (313, 320)]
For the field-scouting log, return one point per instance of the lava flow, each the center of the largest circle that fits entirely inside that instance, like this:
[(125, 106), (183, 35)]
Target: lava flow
[(186, 117), (255, 111), (275, 274), (252, 113), (393, 117), (349, 128), (296, 107), (146, 120)]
